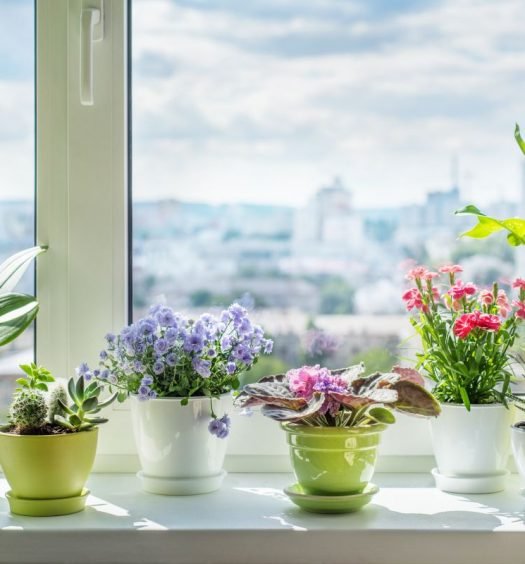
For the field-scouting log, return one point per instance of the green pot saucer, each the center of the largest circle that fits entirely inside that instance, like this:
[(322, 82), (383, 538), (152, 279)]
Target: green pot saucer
[(330, 503), (47, 507)]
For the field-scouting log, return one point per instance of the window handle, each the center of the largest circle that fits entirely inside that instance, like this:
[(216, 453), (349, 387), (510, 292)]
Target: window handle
[(91, 30)]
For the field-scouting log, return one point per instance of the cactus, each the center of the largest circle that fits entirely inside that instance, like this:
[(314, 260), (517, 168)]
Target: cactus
[(57, 397), (28, 411)]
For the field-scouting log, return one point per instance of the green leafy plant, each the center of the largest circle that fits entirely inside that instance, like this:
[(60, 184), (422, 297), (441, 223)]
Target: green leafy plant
[(17, 311), (486, 226), (71, 410), (80, 414), (319, 397)]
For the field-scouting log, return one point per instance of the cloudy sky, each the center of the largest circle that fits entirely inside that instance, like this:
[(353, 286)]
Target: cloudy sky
[(266, 100)]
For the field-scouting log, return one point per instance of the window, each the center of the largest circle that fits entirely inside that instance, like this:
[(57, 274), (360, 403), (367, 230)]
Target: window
[(17, 131), (297, 157), (290, 155)]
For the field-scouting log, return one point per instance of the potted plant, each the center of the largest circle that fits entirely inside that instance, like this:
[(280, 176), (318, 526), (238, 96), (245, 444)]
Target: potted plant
[(467, 336), (333, 421), (48, 447), (179, 373), (17, 311), (515, 229)]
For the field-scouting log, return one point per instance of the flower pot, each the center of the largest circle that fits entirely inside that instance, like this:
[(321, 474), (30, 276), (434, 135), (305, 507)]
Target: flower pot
[(518, 448), (47, 473), (333, 460), (178, 454), (471, 448)]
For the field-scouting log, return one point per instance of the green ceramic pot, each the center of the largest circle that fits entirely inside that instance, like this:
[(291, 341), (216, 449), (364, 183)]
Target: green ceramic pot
[(40, 467), (333, 460)]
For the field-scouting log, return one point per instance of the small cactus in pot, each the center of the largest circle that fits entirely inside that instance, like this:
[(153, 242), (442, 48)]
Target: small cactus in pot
[(48, 446)]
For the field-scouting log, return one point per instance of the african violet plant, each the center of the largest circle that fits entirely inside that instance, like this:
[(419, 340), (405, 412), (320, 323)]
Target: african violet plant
[(167, 354), (33, 413), (316, 396)]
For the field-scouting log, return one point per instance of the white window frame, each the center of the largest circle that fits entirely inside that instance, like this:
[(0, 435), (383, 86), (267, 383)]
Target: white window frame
[(82, 214)]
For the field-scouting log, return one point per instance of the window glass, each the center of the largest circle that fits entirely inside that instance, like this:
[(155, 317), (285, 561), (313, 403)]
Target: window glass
[(299, 156), (17, 128)]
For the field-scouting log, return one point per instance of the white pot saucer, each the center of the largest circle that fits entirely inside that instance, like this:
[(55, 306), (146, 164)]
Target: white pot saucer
[(471, 484), (181, 486), (330, 503)]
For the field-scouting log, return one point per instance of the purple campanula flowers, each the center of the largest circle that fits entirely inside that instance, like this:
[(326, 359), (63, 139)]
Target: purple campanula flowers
[(166, 354), (220, 427)]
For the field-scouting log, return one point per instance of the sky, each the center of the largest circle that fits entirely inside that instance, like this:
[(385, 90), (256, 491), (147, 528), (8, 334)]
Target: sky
[(266, 101)]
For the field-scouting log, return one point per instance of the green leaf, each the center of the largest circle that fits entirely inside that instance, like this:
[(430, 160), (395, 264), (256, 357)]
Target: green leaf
[(90, 404), (27, 368), (184, 401), (519, 139), (470, 209), (79, 390), (41, 386), (13, 268), (108, 401), (75, 420), (464, 397), (122, 396), (22, 382), (17, 312), (382, 415), (71, 389)]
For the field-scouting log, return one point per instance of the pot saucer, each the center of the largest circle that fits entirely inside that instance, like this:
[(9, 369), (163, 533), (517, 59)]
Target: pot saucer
[(330, 503), (470, 484), (47, 507), (181, 486)]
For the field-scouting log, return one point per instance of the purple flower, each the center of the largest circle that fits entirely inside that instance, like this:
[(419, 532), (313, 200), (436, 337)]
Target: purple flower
[(138, 366), (225, 317), (143, 393), (267, 346), (158, 367), (237, 313), (103, 355), (193, 343), (155, 309), (202, 367), (171, 359), (231, 367), (110, 338), (225, 343), (171, 334), (245, 327), (152, 394), (220, 427), (166, 317), (146, 381), (211, 353), (147, 326), (104, 375), (161, 346), (82, 369)]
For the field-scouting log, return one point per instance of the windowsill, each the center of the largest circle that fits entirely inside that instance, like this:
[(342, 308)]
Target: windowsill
[(250, 520)]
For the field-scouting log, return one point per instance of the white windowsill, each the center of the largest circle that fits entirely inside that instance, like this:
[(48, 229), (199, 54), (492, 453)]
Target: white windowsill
[(251, 521)]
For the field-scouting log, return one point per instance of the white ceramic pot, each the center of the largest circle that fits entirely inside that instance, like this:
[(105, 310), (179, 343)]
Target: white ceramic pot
[(518, 449), (471, 448), (178, 454)]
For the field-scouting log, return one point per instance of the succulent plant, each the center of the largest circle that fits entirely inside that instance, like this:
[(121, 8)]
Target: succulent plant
[(57, 397), (80, 415), (28, 411), (344, 398)]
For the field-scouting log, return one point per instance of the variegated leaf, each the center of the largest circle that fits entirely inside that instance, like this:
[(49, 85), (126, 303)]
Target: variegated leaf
[(410, 374), (351, 373), (284, 414), (415, 400), (274, 393)]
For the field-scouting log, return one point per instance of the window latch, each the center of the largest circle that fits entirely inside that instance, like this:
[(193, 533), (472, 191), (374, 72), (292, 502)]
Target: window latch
[(91, 30)]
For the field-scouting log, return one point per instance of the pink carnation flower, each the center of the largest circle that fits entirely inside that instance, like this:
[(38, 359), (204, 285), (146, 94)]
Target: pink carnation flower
[(461, 290), (417, 273), (503, 304), (413, 300), (467, 322), (486, 297), (519, 283), (450, 269), (520, 311)]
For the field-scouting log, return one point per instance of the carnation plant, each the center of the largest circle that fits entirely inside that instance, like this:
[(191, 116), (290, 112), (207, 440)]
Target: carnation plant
[(167, 354), (316, 396), (467, 334)]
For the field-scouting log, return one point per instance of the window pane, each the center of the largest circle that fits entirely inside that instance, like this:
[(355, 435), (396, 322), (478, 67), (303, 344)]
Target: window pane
[(17, 127), (297, 156)]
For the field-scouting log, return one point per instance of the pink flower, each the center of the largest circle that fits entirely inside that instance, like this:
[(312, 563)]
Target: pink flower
[(461, 290), (503, 303), (450, 269), (487, 321), (429, 275), (520, 311), (417, 273), (486, 297), (467, 322), (463, 325), (519, 283), (302, 381), (413, 300)]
